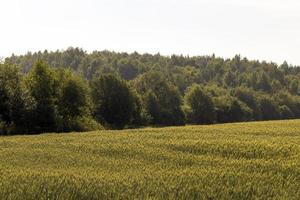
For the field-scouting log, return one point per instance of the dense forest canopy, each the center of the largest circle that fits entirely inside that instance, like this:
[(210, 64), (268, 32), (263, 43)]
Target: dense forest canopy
[(75, 90)]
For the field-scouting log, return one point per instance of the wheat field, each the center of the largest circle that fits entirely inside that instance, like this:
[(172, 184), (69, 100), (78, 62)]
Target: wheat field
[(258, 160)]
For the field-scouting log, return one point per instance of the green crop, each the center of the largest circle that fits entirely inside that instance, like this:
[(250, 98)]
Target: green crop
[(259, 160)]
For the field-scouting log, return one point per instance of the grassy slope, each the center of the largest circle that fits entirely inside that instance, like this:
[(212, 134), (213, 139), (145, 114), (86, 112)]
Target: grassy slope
[(232, 161)]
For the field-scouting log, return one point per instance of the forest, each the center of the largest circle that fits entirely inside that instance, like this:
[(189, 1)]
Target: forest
[(73, 90)]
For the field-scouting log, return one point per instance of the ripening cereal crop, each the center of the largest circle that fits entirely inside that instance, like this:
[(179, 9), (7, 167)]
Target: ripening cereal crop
[(259, 160)]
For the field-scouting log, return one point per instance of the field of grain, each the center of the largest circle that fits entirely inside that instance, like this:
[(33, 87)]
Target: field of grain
[(259, 160)]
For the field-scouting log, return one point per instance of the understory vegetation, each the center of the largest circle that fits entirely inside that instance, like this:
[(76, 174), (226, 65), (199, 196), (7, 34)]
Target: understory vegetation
[(256, 160), (73, 90)]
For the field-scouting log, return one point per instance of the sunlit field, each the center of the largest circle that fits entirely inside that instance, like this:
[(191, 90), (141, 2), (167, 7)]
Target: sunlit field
[(259, 160)]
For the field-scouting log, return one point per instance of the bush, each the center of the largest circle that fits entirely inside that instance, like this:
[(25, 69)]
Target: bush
[(80, 124)]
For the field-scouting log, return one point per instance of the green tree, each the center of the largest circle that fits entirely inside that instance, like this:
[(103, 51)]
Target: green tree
[(4, 104), (42, 85), (151, 104), (199, 105), (161, 99), (269, 108), (140, 116), (284, 98), (128, 69), (294, 87), (230, 109), (248, 96), (264, 83), (74, 97), (12, 99), (230, 79), (74, 104), (113, 100)]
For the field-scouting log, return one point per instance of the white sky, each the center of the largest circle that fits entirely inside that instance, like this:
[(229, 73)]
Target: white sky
[(258, 29)]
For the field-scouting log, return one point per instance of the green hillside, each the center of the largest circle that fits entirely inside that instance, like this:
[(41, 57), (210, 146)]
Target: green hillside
[(259, 160)]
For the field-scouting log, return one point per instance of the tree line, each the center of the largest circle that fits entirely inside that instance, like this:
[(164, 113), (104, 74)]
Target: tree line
[(73, 90)]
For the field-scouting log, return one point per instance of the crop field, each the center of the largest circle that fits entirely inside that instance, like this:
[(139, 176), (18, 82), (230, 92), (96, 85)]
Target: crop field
[(259, 160)]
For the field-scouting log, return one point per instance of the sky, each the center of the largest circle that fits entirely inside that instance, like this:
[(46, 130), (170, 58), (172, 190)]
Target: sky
[(257, 29)]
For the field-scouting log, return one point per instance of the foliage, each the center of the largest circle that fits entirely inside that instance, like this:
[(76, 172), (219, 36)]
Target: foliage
[(230, 109), (249, 97), (161, 99), (200, 108), (45, 100), (74, 102), (113, 100), (42, 85), (269, 108), (239, 89), (13, 109)]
